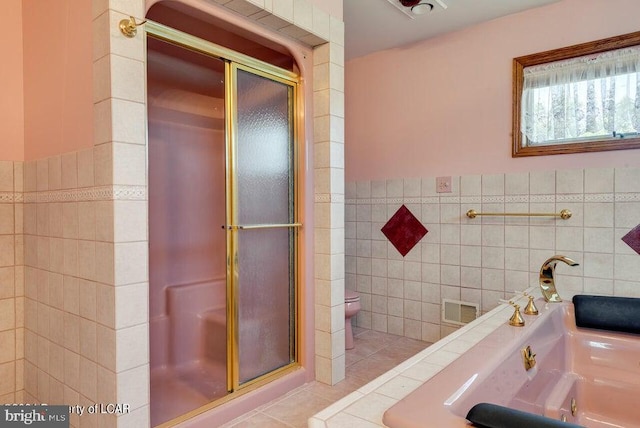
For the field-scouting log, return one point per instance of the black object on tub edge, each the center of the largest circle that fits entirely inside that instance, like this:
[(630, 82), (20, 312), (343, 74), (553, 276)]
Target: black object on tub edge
[(487, 415), (620, 314)]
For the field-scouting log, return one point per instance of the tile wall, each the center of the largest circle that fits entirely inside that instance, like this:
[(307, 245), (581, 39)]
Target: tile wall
[(485, 259), (328, 122), (11, 283), (84, 340)]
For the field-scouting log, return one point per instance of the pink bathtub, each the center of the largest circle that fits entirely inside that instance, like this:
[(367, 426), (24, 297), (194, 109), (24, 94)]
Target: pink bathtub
[(598, 370)]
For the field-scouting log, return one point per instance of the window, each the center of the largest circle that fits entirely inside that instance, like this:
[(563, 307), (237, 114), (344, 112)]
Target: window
[(580, 98)]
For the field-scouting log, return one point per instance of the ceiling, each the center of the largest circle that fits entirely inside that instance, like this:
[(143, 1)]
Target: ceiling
[(374, 25)]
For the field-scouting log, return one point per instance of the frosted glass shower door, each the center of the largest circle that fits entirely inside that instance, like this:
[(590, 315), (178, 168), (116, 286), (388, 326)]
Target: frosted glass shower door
[(265, 225)]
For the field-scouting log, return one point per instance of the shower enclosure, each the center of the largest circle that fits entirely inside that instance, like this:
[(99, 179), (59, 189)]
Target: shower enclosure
[(222, 222)]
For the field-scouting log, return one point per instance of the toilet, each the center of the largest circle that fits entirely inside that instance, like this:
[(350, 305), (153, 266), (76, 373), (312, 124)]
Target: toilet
[(351, 308)]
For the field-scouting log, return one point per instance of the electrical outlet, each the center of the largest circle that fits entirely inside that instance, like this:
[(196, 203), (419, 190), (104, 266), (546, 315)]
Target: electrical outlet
[(443, 184)]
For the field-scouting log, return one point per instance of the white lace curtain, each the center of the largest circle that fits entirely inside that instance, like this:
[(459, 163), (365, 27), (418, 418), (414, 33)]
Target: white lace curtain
[(582, 98)]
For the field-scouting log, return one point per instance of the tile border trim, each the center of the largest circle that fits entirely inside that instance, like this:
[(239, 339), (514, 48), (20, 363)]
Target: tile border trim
[(329, 197), (99, 193), (573, 198), (10, 197)]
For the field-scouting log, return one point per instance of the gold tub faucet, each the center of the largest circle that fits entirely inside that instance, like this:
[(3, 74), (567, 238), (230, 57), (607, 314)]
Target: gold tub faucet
[(547, 282)]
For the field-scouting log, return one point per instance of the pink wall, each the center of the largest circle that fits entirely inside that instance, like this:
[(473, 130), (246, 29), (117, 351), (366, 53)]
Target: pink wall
[(11, 83), (58, 100), (443, 106)]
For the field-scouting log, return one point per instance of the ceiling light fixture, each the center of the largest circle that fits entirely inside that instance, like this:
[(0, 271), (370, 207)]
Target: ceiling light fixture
[(422, 8), (418, 7)]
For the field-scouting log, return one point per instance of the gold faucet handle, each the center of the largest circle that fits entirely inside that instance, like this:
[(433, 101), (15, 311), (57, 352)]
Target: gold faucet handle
[(531, 308), (529, 358), (516, 319)]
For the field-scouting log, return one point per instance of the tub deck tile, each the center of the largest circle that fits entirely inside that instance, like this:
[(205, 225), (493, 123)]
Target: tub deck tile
[(365, 407), (399, 387), (371, 407)]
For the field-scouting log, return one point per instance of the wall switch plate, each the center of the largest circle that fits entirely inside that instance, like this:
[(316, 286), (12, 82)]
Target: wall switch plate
[(443, 184)]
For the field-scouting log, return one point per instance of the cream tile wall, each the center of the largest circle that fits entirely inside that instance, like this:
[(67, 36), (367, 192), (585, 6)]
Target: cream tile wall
[(11, 283), (329, 222), (77, 343), (121, 243), (485, 259)]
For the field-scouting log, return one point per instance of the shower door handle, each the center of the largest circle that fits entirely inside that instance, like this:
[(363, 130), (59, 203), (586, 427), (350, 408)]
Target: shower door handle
[(261, 226), (268, 226)]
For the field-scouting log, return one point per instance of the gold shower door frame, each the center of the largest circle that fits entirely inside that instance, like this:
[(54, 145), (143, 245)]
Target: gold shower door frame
[(234, 227), (235, 61)]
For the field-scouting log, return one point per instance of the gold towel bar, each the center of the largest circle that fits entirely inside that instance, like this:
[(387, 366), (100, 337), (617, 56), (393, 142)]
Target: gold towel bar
[(564, 214)]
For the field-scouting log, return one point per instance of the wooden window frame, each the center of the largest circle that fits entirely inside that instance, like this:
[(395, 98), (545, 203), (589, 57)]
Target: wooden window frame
[(583, 49)]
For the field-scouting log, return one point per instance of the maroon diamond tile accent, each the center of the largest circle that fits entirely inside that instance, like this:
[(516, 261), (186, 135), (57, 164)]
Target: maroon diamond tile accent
[(632, 239), (404, 230)]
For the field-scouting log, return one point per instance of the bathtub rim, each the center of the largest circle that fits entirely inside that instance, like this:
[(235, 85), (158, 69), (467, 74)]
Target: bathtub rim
[(447, 404), (370, 401)]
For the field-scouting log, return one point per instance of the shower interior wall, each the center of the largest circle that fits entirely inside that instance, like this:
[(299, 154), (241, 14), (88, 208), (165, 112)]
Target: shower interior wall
[(187, 246), (186, 180)]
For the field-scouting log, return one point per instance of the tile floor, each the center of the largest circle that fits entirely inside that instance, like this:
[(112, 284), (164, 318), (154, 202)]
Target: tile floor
[(374, 354)]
